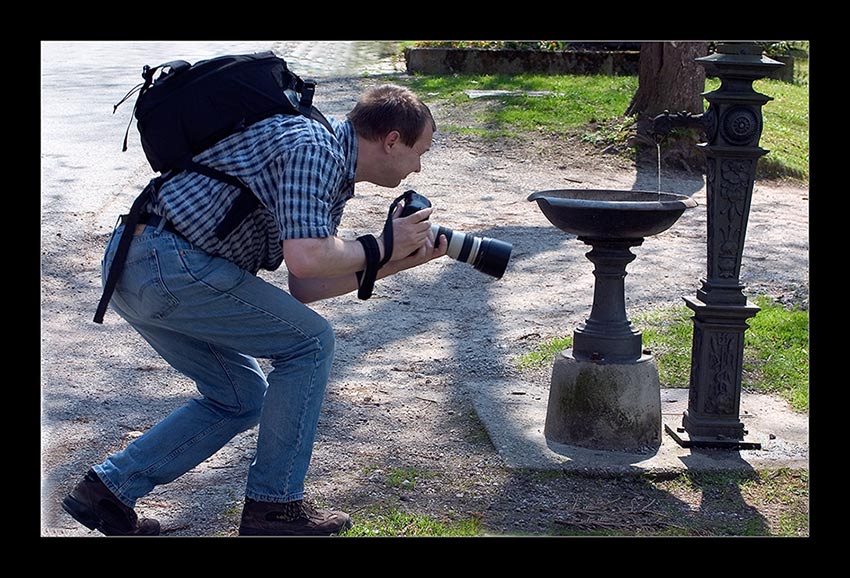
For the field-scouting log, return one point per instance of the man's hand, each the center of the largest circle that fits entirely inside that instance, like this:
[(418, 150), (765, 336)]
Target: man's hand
[(429, 250), (410, 234)]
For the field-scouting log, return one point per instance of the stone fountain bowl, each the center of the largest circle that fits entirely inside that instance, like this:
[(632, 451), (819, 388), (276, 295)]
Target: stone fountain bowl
[(605, 214)]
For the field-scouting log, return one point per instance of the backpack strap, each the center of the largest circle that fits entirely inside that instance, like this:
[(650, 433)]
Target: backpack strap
[(244, 204), (317, 115), (304, 105), (130, 221), (242, 207)]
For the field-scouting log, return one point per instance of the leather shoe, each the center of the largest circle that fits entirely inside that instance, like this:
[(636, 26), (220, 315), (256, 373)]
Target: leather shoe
[(297, 518), (95, 507)]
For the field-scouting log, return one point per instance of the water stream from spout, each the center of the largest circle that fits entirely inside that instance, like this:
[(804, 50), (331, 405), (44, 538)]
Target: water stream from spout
[(658, 150)]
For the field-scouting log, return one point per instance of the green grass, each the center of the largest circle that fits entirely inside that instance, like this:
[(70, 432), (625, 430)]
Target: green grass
[(715, 495), (592, 107), (776, 349), (784, 489), (786, 133), (778, 343), (396, 523), (569, 102), (668, 334), (545, 352), (405, 478)]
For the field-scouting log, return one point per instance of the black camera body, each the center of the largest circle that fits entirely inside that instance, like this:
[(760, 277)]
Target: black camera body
[(413, 202), (490, 256)]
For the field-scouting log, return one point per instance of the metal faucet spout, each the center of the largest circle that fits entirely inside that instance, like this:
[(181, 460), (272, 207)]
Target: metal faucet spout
[(664, 123)]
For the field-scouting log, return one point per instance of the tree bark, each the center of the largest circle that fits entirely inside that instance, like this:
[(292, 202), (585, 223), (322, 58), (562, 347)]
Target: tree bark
[(669, 78)]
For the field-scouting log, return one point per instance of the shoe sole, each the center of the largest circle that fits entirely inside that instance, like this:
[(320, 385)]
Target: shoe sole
[(252, 532), (80, 512), (77, 511), (248, 531)]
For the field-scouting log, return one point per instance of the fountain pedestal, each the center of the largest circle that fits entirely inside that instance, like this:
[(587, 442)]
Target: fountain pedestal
[(605, 392), (608, 335), (608, 406)]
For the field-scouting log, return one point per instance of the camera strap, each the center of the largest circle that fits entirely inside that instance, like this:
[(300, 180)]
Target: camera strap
[(366, 278)]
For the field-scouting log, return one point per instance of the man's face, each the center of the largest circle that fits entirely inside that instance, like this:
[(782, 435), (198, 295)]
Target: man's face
[(403, 160)]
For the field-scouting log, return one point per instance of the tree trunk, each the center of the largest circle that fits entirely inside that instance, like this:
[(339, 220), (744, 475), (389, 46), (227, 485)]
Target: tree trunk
[(669, 78)]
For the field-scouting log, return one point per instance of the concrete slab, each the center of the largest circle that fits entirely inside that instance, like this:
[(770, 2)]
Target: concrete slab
[(514, 415), (492, 93)]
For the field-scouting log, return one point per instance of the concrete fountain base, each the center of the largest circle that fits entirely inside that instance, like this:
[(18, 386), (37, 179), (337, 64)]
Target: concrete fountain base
[(606, 406)]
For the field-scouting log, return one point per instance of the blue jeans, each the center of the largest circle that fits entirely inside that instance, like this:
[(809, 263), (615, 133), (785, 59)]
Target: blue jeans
[(211, 320)]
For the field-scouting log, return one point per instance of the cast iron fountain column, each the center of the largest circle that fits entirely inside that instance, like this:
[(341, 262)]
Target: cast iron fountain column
[(733, 126), (608, 331)]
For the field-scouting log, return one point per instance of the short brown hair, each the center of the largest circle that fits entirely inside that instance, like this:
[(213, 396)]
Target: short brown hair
[(386, 108)]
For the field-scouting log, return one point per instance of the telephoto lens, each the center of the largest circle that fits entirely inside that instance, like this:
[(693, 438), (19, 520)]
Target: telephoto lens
[(487, 255), (490, 256)]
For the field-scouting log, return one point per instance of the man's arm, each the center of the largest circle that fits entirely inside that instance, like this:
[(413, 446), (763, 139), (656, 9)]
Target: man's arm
[(326, 267), (317, 288)]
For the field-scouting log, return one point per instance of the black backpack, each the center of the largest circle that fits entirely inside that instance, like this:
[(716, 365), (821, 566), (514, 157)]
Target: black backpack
[(187, 108)]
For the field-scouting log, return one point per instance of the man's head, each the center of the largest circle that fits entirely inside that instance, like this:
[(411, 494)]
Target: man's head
[(394, 128)]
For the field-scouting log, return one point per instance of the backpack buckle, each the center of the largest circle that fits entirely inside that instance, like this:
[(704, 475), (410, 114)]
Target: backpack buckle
[(307, 93)]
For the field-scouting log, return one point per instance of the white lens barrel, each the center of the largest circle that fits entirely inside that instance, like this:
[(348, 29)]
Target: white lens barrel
[(462, 246)]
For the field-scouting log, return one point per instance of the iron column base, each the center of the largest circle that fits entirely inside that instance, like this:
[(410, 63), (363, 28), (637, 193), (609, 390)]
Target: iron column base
[(681, 437), (714, 397)]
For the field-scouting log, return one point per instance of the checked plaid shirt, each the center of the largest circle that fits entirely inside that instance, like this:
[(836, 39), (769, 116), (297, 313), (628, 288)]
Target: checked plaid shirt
[(302, 175)]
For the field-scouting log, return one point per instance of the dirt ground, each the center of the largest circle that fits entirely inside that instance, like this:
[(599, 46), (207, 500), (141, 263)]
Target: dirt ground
[(398, 429)]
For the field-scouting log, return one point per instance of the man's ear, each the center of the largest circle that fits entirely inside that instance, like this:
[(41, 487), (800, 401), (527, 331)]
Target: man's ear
[(391, 139)]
